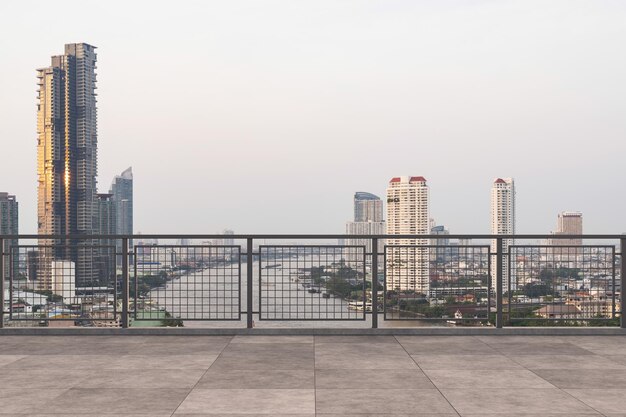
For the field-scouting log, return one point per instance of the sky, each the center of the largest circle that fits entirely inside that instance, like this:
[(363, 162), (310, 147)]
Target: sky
[(267, 116)]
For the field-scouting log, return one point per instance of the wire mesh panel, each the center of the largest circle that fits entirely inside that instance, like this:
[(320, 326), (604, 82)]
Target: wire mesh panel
[(47, 286), (437, 282), (568, 284), (312, 283), (186, 282)]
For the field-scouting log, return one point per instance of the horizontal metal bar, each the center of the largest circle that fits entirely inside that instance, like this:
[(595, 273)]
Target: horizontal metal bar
[(314, 236)]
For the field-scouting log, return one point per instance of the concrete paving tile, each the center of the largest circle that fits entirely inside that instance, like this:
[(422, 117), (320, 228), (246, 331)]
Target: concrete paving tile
[(493, 362), (523, 339), (183, 339), (7, 359), (217, 378), (355, 339), (482, 378), (41, 378), (64, 362), (76, 348), (373, 401), (246, 401), (566, 362), (538, 415), (605, 401), (242, 356), (99, 415), (15, 401), (441, 345), (366, 378), (584, 378), (117, 401), (184, 348), (610, 345), (507, 401), (272, 339), (362, 356), (392, 415), (164, 361), (143, 378), (241, 415), (534, 348)]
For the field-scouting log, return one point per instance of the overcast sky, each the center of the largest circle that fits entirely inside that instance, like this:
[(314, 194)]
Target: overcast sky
[(267, 116)]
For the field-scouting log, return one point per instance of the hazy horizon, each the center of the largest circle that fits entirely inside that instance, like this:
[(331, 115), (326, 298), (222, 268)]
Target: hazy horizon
[(267, 116)]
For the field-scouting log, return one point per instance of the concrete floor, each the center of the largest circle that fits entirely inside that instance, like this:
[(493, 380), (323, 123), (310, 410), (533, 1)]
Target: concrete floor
[(313, 375)]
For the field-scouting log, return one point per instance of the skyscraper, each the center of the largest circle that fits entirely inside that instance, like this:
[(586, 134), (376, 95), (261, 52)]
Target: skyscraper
[(568, 223), (503, 223), (407, 213), (367, 207), (67, 142), (368, 220), (9, 226), (122, 199)]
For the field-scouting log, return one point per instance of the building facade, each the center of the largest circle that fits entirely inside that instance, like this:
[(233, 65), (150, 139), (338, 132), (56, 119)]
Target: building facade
[(407, 267), (569, 223), (503, 223), (122, 198), (9, 217), (67, 154), (367, 207), (368, 220)]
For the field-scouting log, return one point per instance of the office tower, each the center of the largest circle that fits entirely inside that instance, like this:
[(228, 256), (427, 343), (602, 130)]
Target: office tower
[(9, 226), (503, 223), (441, 244), (368, 220), (122, 197), (569, 223), (107, 222), (367, 207), (228, 240), (67, 142), (407, 214)]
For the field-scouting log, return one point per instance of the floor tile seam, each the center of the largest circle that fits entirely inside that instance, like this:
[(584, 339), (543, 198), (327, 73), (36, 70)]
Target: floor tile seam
[(436, 387), (559, 388), (202, 376)]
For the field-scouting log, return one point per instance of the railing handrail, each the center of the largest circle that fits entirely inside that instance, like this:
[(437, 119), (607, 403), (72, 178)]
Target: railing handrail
[(314, 236)]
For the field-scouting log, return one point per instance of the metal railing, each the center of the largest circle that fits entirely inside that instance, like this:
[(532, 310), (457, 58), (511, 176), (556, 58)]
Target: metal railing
[(165, 280)]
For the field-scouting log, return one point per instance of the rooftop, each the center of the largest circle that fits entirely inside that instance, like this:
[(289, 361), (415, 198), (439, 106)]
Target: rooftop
[(313, 375)]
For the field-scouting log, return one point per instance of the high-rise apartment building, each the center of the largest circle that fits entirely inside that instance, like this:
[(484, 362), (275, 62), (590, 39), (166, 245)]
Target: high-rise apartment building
[(407, 213), (122, 199), (367, 207), (67, 154), (9, 226), (503, 223), (368, 220)]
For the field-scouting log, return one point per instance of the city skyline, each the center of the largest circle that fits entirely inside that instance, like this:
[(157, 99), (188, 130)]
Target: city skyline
[(442, 115)]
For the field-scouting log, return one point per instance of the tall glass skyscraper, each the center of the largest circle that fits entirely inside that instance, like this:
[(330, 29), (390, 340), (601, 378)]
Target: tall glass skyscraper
[(67, 143), (9, 226), (122, 198)]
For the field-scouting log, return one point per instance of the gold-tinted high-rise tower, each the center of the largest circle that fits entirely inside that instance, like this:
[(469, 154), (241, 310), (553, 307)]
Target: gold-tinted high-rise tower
[(67, 160)]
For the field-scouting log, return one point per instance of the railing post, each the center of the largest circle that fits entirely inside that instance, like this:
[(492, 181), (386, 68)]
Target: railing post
[(622, 250), (374, 283), (249, 272), (2, 283), (499, 277), (125, 284)]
